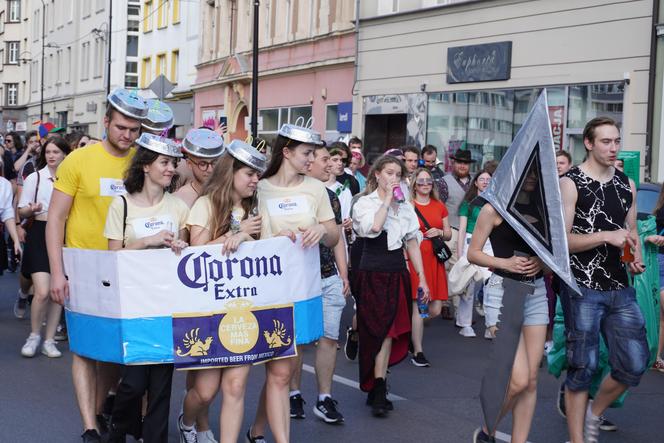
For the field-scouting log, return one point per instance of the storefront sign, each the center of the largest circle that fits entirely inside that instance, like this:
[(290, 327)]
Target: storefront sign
[(556, 117), (479, 63), (386, 104), (345, 117)]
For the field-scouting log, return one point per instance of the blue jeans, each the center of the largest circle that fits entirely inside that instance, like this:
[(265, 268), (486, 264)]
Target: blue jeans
[(614, 314)]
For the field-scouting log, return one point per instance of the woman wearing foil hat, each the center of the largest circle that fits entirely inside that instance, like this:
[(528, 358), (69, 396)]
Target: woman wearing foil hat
[(383, 283), (224, 214), (309, 214), (149, 176)]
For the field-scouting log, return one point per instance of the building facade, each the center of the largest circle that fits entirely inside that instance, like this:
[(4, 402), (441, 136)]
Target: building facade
[(169, 41), (460, 73), (14, 64), (306, 65)]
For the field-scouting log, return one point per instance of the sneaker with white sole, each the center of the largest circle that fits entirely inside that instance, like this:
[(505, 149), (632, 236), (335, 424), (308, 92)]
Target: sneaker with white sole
[(591, 426), (467, 331), (50, 350), (187, 435), (326, 410), (20, 306), (206, 437), (29, 349), (488, 334), (606, 425)]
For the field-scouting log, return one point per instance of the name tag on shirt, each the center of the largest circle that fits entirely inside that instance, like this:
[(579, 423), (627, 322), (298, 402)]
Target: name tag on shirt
[(288, 206), (147, 226), (111, 187)]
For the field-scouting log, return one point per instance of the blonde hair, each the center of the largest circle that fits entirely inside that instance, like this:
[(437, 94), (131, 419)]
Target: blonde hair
[(432, 194)]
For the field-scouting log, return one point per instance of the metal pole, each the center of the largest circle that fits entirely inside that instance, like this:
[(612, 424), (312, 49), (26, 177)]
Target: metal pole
[(41, 101), (110, 30), (254, 78)]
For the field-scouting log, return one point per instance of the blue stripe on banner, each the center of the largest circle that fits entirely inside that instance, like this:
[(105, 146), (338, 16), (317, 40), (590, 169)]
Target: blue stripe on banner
[(308, 320), (101, 338)]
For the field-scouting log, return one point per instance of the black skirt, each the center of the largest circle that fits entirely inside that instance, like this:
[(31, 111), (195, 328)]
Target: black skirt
[(35, 257)]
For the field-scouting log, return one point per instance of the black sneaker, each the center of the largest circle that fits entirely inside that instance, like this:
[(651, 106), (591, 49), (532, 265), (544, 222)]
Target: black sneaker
[(255, 439), (103, 422), (91, 436), (560, 404), (60, 333), (479, 436), (420, 360), (297, 406), (326, 410), (350, 347), (606, 425)]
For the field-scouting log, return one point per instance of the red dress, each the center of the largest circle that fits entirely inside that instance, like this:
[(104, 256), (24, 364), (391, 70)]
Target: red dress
[(434, 212)]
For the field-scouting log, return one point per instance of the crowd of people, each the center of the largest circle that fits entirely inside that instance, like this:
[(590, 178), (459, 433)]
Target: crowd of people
[(407, 241)]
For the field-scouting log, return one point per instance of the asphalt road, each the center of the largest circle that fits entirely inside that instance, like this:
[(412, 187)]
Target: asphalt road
[(438, 404)]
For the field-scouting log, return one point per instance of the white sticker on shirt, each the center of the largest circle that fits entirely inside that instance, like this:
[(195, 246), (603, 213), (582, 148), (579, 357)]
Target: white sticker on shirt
[(147, 226), (111, 187), (288, 206)]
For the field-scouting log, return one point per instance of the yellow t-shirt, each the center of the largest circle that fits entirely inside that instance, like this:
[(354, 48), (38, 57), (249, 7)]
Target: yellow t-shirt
[(300, 206), (92, 177), (201, 214), (169, 214)]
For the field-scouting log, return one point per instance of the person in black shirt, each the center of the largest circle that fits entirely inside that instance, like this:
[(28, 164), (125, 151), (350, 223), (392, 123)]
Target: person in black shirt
[(346, 178), (600, 218)]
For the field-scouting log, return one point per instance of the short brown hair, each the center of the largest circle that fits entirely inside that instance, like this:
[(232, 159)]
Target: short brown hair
[(589, 130), (565, 154)]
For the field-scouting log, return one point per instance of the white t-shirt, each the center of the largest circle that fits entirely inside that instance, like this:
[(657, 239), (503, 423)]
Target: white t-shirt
[(43, 193), (345, 198), (6, 200)]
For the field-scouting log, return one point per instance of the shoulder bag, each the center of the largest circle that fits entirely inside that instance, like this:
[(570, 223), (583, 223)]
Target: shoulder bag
[(440, 249)]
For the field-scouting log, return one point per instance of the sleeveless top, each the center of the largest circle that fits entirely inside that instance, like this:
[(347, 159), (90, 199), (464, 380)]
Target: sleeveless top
[(505, 241), (600, 207), (455, 194)]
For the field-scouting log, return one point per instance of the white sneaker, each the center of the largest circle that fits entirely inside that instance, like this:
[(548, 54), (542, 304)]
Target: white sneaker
[(187, 435), (206, 437), (29, 349), (467, 331), (50, 350), (488, 335)]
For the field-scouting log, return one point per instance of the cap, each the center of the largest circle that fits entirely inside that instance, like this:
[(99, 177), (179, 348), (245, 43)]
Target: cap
[(128, 103), (160, 116), (301, 134), (204, 143), (248, 155), (160, 145)]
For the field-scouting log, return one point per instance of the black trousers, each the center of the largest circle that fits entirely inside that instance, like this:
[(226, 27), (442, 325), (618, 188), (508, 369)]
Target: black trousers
[(136, 380)]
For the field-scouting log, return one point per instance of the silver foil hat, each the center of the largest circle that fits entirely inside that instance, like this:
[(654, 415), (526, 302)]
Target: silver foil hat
[(160, 145), (203, 143), (301, 134), (128, 103), (160, 116), (248, 155)]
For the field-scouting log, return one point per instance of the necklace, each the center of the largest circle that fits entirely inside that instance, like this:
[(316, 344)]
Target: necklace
[(194, 188)]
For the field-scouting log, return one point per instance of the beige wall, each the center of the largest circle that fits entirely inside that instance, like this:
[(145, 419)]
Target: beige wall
[(553, 43)]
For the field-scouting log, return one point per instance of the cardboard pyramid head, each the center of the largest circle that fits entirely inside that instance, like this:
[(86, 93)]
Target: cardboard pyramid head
[(527, 174)]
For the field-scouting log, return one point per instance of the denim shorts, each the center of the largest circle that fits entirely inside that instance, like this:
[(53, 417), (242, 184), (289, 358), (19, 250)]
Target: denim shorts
[(615, 315), (660, 260), (536, 307), (333, 305)]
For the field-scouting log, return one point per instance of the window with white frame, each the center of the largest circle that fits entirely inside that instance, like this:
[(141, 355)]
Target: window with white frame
[(273, 118), (331, 118), (99, 58), (85, 60), (11, 94), (66, 67), (12, 53), (14, 7), (58, 67), (34, 75), (2, 59), (2, 22), (36, 29)]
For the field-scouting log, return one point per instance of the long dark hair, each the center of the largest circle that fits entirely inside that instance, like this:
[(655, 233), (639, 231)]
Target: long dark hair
[(277, 154), (219, 189), (57, 141), (472, 191), (18, 142), (135, 176)]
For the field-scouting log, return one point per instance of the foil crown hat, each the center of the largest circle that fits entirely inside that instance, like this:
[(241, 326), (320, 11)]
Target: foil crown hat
[(128, 103), (248, 155), (160, 145), (203, 143), (160, 116), (301, 134)]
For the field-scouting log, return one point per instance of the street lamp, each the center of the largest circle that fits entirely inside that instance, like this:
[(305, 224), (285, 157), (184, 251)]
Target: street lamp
[(254, 82)]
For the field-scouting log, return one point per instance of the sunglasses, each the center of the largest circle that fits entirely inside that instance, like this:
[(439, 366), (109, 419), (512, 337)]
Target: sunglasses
[(424, 181)]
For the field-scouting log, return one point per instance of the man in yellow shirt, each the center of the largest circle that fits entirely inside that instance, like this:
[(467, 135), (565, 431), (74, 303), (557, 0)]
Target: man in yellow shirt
[(86, 182)]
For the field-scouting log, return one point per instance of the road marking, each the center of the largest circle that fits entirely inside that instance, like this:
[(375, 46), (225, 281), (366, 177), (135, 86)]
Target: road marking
[(350, 383), (504, 437)]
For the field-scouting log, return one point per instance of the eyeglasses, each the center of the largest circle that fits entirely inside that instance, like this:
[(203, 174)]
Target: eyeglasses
[(424, 181), (203, 165)]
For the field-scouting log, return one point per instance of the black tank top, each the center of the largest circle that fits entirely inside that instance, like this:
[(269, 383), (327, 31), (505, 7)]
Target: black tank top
[(600, 207)]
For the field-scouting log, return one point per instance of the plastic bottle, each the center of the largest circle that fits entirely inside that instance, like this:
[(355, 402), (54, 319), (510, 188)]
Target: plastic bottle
[(422, 307)]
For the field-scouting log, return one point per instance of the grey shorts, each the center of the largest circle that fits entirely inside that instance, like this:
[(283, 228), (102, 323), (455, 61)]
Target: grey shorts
[(536, 308), (333, 305)]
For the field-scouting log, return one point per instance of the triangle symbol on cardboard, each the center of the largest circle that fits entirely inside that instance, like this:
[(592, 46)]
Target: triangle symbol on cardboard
[(525, 191)]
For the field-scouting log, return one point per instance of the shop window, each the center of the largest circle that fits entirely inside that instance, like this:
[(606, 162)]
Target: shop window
[(589, 101), (331, 118), (301, 113), (270, 119)]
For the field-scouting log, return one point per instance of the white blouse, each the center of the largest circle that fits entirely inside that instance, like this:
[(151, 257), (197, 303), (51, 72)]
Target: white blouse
[(43, 193), (6, 200), (401, 225)]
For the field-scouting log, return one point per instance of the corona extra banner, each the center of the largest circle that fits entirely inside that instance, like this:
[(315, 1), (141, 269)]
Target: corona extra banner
[(198, 309)]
